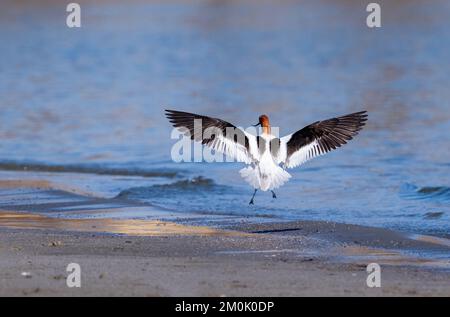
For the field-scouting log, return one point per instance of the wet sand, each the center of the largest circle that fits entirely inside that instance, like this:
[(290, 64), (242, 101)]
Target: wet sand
[(172, 265), (115, 226), (172, 256)]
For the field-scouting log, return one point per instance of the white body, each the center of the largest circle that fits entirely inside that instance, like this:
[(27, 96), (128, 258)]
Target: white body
[(264, 171), (265, 174)]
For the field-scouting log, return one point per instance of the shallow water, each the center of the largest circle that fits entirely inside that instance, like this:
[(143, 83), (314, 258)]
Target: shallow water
[(90, 101)]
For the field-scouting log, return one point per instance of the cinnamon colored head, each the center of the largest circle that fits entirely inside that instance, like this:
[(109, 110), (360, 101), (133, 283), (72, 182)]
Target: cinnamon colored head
[(264, 122)]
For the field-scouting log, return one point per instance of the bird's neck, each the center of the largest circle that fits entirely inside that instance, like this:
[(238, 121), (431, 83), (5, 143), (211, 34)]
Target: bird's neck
[(266, 129)]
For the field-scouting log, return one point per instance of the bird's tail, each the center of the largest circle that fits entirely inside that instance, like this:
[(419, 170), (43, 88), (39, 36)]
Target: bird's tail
[(265, 180)]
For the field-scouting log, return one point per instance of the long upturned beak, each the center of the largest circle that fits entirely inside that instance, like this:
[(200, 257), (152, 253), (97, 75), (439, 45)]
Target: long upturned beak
[(255, 125)]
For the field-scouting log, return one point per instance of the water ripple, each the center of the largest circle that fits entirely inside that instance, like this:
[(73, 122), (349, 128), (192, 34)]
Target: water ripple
[(88, 169), (435, 193)]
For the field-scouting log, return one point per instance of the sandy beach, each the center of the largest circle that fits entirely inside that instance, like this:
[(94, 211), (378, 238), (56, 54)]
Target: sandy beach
[(92, 170), (244, 257)]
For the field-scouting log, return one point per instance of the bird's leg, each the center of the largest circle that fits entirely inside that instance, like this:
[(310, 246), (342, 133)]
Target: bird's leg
[(251, 201), (273, 194)]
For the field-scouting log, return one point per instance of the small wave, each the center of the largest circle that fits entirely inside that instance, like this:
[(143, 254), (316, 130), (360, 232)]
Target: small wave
[(87, 169), (433, 215), (198, 182), (439, 193), (182, 187)]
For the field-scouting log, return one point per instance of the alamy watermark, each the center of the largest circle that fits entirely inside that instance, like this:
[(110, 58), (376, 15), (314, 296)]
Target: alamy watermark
[(74, 277), (374, 275), (73, 19), (373, 20), (224, 146)]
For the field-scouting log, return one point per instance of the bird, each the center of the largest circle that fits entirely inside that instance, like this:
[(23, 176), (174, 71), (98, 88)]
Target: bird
[(267, 156)]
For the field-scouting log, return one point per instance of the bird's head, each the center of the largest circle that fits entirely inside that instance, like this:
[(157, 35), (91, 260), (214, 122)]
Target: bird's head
[(264, 123)]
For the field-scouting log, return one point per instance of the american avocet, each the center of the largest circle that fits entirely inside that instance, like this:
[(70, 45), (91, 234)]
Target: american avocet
[(268, 157)]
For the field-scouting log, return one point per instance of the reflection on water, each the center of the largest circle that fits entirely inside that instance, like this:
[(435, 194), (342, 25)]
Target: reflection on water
[(92, 99), (124, 226)]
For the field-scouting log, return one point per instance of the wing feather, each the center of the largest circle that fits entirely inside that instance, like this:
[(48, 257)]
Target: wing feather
[(218, 134), (319, 138)]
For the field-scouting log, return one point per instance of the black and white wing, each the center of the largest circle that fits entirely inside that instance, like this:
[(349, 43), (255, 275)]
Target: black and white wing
[(319, 138), (218, 134)]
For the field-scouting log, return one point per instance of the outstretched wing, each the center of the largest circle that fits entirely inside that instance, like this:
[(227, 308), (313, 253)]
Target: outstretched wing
[(319, 138), (218, 134)]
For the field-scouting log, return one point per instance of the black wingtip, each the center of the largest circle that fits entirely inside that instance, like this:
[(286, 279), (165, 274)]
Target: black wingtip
[(361, 116), (362, 113), (170, 114)]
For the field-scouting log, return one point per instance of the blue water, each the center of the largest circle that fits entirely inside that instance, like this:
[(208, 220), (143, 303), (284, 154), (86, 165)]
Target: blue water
[(91, 101)]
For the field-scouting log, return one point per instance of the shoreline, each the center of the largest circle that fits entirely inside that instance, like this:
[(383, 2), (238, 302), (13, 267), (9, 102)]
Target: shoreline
[(273, 260), (170, 254), (336, 242), (205, 265)]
